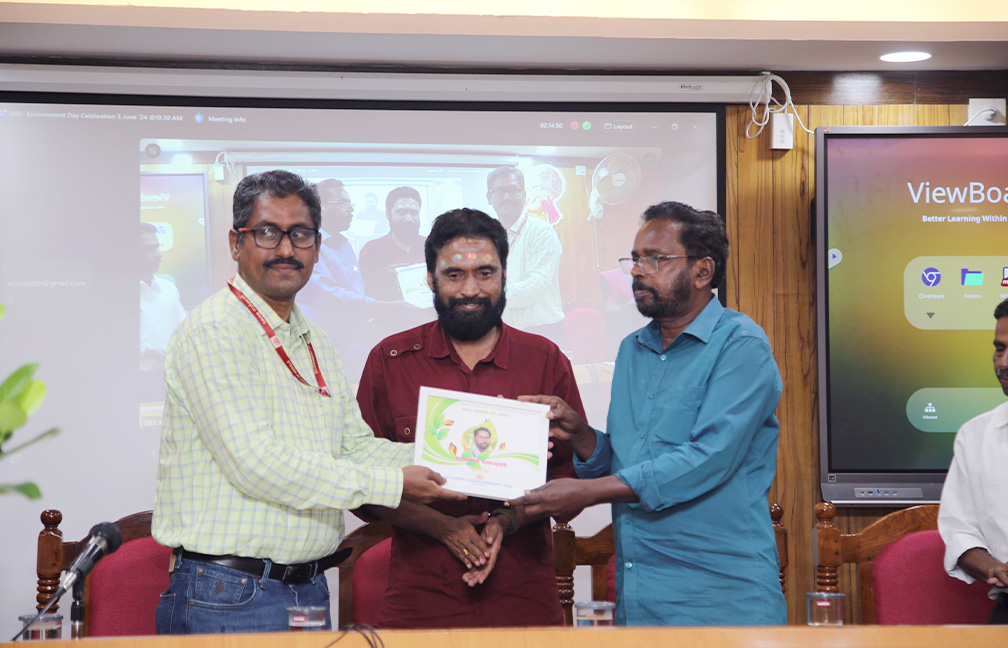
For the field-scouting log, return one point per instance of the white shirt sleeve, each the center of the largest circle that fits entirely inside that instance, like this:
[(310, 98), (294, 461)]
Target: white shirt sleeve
[(958, 520)]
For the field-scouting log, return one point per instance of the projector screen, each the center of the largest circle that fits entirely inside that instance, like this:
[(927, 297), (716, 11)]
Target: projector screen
[(80, 176), (912, 262), (80, 173)]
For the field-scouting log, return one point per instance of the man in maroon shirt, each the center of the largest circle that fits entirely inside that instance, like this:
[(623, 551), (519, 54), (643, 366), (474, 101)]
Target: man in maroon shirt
[(402, 246), (472, 563)]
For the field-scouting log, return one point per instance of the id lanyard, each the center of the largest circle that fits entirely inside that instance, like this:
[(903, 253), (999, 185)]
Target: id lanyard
[(275, 341), (517, 232)]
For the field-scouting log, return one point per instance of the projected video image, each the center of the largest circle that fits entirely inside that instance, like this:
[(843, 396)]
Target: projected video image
[(175, 168), (571, 213)]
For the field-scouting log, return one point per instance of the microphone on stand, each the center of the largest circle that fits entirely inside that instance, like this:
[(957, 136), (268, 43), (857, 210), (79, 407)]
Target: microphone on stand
[(77, 610), (104, 539)]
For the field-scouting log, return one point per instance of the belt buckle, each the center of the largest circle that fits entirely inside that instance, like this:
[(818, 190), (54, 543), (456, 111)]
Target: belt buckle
[(293, 573), (301, 572)]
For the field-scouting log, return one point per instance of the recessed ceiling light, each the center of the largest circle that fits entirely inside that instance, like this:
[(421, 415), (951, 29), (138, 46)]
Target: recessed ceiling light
[(905, 57)]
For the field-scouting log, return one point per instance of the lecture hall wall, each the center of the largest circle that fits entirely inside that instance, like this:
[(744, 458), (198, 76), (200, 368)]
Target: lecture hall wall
[(771, 272)]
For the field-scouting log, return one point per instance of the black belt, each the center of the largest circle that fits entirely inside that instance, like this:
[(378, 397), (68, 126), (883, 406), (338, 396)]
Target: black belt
[(288, 574)]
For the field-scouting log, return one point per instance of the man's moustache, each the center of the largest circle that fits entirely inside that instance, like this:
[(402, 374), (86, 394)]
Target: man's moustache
[(465, 301), (1001, 373), (284, 260), (637, 285)]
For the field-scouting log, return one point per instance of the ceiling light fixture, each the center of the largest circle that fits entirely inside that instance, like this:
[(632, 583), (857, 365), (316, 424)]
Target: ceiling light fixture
[(905, 57)]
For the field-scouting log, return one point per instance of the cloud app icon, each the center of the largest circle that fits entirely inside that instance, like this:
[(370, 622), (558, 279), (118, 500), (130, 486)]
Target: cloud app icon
[(931, 277)]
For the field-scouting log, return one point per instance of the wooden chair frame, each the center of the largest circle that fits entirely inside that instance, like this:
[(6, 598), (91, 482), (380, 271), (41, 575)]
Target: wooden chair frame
[(569, 551), (834, 548), (55, 555)]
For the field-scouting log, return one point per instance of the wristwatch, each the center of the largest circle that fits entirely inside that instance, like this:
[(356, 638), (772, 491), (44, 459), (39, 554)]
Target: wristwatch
[(511, 515)]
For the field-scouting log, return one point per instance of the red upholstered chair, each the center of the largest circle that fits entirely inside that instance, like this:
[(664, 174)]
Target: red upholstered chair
[(912, 588), (363, 576), (126, 587), (123, 589), (900, 573), (370, 580)]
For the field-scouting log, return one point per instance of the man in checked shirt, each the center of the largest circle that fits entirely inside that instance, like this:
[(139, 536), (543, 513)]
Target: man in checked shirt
[(262, 443)]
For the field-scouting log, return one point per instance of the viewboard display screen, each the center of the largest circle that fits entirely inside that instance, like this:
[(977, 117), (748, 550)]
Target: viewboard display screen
[(79, 174), (912, 226)]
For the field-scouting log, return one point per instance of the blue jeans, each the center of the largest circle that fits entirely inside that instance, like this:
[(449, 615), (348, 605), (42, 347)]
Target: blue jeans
[(204, 598)]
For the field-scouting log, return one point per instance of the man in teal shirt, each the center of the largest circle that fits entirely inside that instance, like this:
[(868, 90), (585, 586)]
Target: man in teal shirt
[(691, 443)]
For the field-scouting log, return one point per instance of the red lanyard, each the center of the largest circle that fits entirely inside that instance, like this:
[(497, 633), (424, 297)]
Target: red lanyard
[(521, 226), (275, 341)]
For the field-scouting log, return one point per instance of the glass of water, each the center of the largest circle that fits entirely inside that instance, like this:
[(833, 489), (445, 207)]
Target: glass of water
[(306, 618), (591, 614)]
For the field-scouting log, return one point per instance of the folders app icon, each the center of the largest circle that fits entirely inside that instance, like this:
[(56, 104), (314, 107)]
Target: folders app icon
[(972, 277)]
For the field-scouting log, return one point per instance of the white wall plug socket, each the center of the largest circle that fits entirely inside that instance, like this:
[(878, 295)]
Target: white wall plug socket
[(996, 118), (782, 129)]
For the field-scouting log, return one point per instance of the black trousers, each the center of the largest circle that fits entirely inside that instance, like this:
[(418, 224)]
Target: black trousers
[(1000, 614)]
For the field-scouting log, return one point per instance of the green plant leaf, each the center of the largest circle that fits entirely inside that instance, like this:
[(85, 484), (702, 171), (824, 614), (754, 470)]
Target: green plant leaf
[(32, 396), (28, 489), (45, 435), (11, 416), (12, 388)]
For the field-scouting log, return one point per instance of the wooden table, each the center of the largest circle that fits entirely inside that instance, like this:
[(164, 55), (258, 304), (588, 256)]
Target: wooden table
[(772, 637)]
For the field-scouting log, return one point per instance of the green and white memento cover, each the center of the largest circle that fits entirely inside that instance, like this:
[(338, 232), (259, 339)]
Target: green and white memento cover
[(413, 284), (484, 446)]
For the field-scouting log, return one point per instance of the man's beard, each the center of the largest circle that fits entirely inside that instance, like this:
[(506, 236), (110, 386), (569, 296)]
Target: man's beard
[(468, 326), (406, 229), (672, 304)]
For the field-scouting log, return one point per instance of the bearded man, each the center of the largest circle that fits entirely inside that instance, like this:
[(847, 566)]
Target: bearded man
[(453, 565), (690, 448)]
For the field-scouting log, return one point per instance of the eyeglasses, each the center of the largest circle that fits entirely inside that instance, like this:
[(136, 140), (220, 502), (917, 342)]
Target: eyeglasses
[(502, 192), (649, 264), (342, 204), (269, 237)]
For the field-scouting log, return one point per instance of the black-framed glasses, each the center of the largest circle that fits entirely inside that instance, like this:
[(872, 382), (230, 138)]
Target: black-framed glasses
[(269, 237), (649, 264)]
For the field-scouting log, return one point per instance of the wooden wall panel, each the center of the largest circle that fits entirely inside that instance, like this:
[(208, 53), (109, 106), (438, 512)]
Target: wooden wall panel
[(751, 211), (771, 277), (578, 272)]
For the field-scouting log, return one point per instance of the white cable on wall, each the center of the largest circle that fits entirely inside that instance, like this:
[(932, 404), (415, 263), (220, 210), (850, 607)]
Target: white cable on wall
[(986, 113), (760, 100)]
